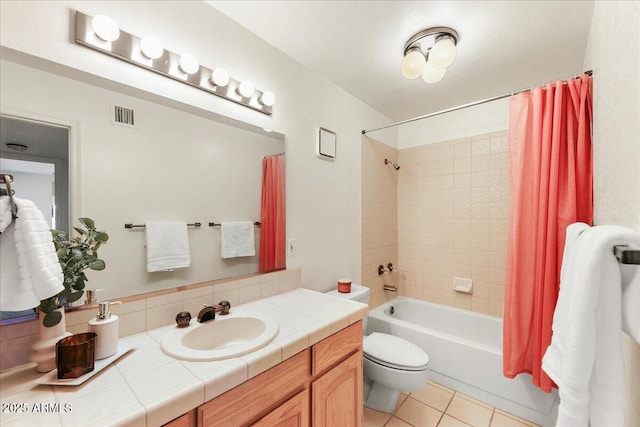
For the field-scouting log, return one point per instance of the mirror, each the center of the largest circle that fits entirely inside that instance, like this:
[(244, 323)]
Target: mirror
[(169, 161)]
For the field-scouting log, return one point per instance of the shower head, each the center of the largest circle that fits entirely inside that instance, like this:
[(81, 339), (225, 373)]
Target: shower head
[(394, 164)]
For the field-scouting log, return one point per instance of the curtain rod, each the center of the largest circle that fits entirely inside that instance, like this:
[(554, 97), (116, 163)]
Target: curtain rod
[(460, 107)]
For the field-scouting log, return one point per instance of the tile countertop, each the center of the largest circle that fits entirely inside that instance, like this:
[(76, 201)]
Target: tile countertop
[(147, 387)]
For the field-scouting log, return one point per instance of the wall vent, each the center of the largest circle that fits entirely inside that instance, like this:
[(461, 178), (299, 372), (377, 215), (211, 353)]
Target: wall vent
[(123, 116)]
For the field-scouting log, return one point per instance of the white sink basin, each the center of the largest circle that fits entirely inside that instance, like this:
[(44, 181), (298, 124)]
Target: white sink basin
[(219, 339)]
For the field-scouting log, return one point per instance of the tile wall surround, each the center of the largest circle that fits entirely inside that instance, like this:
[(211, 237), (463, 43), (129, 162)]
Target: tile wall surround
[(379, 218), (158, 309), (452, 220)]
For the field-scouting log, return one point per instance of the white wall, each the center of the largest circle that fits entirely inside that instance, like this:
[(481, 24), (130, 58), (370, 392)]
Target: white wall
[(613, 52), (481, 119), (323, 199)]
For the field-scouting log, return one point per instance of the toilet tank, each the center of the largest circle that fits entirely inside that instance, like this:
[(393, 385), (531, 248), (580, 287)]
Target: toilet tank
[(358, 293)]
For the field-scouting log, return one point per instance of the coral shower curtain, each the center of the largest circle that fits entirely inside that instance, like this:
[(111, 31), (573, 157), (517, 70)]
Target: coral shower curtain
[(272, 216), (551, 187)]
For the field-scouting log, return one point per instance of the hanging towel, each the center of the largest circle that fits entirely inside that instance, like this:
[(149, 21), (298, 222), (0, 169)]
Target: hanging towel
[(30, 269), (167, 245), (5, 213), (237, 239), (585, 356)]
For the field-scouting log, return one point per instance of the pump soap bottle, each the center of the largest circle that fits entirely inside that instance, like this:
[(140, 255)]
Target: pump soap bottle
[(105, 325)]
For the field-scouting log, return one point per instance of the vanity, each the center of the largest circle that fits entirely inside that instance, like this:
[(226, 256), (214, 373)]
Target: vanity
[(309, 375)]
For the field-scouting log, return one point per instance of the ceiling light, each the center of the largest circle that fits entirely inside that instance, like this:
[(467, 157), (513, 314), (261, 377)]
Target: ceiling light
[(429, 53), (431, 74), (189, 64), (220, 77), (246, 89), (151, 47), (105, 28), (268, 98), (443, 52), (413, 63)]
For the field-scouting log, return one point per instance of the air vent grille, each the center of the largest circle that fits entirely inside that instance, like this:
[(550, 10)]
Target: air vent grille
[(123, 115)]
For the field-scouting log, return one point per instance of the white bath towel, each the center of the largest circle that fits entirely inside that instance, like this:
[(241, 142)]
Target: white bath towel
[(237, 239), (5, 213), (30, 270), (585, 355), (167, 245)]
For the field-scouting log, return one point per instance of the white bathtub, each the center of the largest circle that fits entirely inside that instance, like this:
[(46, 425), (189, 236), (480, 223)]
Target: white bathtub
[(465, 352)]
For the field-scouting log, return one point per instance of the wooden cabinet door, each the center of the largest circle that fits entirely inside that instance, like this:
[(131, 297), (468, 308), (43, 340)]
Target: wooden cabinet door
[(293, 413), (336, 397)]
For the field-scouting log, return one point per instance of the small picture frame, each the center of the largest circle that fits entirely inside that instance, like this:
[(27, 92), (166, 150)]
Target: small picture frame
[(326, 147)]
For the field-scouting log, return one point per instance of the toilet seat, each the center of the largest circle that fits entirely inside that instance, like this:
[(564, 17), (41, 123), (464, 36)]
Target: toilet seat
[(394, 352)]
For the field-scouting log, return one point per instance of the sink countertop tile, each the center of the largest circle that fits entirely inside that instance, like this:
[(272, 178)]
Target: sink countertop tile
[(148, 387)]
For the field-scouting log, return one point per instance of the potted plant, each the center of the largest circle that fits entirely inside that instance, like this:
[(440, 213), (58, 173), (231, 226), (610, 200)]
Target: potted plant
[(75, 254)]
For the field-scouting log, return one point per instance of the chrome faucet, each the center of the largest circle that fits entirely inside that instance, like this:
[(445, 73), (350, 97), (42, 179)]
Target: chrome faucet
[(208, 312)]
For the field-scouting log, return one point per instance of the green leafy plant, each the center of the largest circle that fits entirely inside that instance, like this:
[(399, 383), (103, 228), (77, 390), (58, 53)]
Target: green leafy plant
[(75, 255)]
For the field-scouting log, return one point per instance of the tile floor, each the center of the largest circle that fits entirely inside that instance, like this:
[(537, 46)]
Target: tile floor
[(436, 405)]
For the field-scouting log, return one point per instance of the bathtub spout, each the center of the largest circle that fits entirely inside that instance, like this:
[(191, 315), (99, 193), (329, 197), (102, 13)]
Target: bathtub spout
[(391, 288)]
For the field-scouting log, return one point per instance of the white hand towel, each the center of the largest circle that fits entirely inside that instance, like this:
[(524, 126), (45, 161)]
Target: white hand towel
[(585, 356), (30, 268), (167, 245), (237, 239)]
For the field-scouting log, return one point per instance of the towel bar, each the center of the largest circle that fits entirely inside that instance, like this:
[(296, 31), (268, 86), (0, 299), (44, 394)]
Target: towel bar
[(215, 224), (626, 255), (195, 224)]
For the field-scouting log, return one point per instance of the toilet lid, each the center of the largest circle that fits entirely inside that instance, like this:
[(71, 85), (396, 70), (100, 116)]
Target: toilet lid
[(394, 352)]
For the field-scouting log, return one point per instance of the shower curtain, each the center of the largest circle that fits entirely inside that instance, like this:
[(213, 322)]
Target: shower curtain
[(551, 187), (272, 216)]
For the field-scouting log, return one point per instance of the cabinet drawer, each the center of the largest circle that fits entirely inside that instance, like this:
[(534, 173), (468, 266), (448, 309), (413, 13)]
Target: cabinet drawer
[(293, 413), (252, 399), (338, 346)]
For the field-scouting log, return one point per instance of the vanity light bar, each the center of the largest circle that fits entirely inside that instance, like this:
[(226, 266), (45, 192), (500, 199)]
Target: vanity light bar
[(127, 47)]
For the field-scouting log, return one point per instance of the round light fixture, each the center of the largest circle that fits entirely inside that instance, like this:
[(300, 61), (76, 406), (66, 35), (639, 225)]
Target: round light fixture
[(443, 52), (189, 64), (429, 53), (220, 77), (105, 28), (268, 99), (430, 74), (151, 47), (246, 89), (413, 63)]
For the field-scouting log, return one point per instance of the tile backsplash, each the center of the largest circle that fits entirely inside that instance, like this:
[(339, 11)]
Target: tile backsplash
[(146, 313)]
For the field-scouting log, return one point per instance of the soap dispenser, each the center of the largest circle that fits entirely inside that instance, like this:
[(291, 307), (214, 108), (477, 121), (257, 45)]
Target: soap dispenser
[(106, 326)]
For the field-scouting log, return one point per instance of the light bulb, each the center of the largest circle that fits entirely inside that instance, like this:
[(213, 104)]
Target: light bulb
[(443, 52), (268, 98), (246, 89), (151, 47), (413, 63), (189, 64), (105, 28), (431, 74), (220, 77)]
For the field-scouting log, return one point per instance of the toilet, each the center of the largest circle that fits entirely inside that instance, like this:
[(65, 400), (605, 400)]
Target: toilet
[(391, 364)]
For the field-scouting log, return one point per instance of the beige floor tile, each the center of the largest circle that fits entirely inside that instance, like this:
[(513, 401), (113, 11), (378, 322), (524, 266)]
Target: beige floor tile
[(433, 396), (505, 419), (418, 414), (396, 422), (375, 418), (471, 399), (449, 421), (469, 412), (401, 399), (450, 390)]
